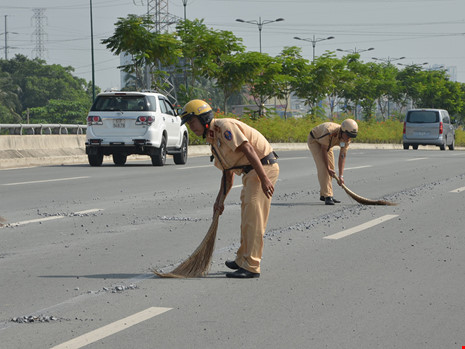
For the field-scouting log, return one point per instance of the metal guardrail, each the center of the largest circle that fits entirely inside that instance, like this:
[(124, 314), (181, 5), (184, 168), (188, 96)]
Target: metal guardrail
[(41, 129)]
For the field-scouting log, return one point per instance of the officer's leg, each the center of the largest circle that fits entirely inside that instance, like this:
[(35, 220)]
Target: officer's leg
[(255, 209)]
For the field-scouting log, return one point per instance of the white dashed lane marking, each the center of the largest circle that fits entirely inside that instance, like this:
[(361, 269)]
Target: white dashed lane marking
[(50, 218), (47, 180), (458, 190), (360, 227), (112, 328), (416, 159)]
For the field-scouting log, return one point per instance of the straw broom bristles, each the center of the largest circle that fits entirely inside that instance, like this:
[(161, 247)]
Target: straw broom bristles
[(198, 263), (361, 199)]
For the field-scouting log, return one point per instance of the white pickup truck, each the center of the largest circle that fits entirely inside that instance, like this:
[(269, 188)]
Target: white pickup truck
[(145, 123)]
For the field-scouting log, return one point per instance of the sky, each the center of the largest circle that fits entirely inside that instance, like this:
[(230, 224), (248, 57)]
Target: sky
[(422, 31)]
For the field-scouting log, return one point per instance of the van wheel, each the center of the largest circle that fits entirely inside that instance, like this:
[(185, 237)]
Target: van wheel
[(181, 158), (442, 147), (159, 158), (119, 159), (95, 159), (452, 145), (406, 146)]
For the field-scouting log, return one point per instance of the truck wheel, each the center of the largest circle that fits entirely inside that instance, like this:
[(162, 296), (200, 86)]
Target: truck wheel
[(181, 158), (452, 145), (95, 159), (415, 147), (406, 146), (119, 159), (159, 158)]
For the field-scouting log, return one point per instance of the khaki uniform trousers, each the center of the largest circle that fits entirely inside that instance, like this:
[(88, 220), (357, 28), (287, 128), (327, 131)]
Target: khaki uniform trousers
[(326, 186), (255, 209)]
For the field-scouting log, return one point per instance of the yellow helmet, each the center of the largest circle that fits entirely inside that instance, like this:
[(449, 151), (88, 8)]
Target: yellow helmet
[(350, 127), (198, 108)]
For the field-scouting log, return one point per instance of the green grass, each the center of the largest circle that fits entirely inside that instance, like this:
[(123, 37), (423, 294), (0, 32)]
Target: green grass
[(278, 130)]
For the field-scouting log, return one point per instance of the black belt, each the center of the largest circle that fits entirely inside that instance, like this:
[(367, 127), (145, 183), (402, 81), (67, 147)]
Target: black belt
[(270, 159)]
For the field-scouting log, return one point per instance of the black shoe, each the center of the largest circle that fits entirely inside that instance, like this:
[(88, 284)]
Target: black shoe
[(241, 273), (329, 200), (231, 265), (322, 198)]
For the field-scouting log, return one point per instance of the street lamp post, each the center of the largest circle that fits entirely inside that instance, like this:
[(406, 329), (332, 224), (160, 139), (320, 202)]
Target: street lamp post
[(314, 41), (184, 3), (92, 52), (260, 25), (355, 50), (388, 61)]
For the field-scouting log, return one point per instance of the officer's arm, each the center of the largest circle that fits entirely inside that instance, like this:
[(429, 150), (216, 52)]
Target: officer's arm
[(228, 178), (324, 155), (252, 156), (341, 165)]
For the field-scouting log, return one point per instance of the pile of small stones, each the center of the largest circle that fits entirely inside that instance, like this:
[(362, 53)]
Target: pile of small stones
[(35, 318)]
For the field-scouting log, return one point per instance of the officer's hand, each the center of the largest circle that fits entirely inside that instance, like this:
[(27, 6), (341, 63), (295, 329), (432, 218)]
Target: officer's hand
[(218, 207), (341, 181), (331, 172), (268, 188)]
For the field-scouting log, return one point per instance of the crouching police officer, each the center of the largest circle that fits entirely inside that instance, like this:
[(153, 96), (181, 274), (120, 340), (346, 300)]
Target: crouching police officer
[(321, 140), (242, 150)]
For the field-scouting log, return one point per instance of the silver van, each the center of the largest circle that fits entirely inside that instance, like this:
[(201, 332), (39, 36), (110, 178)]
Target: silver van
[(428, 127)]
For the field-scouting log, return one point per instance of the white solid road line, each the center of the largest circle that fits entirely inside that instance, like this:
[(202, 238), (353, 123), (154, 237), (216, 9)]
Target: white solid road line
[(50, 218), (360, 227), (48, 180), (112, 328), (458, 190)]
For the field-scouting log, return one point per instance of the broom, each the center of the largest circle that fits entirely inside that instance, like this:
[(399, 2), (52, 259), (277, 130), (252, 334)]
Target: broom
[(361, 199), (198, 263)]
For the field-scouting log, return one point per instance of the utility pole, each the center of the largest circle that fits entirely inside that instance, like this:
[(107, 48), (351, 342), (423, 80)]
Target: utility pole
[(6, 38)]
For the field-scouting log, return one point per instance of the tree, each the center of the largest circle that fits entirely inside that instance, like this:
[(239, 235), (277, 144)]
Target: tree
[(324, 79), (293, 68), (260, 73), (10, 106), (134, 35), (27, 84), (205, 52)]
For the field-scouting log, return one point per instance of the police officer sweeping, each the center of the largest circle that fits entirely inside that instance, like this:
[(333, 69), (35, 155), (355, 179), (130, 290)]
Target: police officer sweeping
[(321, 140), (239, 149)]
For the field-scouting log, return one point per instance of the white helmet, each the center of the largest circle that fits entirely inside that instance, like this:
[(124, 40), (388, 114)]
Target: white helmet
[(350, 127)]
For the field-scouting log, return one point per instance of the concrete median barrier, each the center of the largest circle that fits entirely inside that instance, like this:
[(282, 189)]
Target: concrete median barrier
[(44, 150), (38, 150)]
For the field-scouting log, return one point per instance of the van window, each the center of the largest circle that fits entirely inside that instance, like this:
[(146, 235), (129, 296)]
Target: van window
[(422, 116)]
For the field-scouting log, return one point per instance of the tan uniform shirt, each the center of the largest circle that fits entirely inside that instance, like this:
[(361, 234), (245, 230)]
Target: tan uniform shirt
[(226, 135), (327, 134)]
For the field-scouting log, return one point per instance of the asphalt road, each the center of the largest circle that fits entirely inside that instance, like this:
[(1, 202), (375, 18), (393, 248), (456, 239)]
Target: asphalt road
[(78, 244)]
